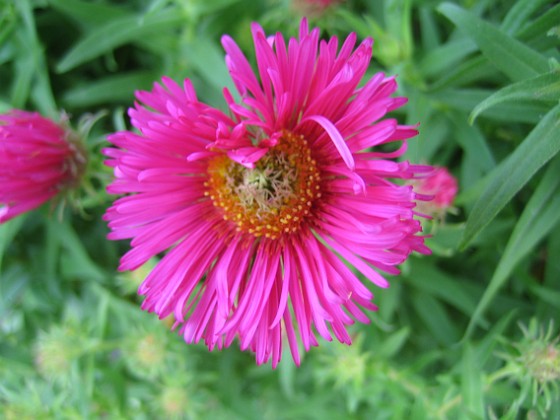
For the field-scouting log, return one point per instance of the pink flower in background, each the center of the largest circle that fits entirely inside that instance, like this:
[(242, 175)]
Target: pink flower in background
[(259, 211), (312, 7), (38, 159), (438, 185)]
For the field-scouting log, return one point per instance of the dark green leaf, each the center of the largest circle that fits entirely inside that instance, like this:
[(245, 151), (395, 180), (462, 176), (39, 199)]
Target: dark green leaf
[(541, 214), (519, 14), (545, 87), (542, 24), (510, 56), (117, 32), (119, 87), (539, 147)]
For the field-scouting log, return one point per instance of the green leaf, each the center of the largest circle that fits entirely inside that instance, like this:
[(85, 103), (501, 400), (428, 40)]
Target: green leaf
[(428, 28), (550, 296), (472, 387), (542, 24), (430, 280), (519, 13), (539, 147), (510, 56), (120, 87), (544, 87), (208, 59), (202, 7), (8, 231), (541, 214), (474, 69), (446, 57), (87, 13), (76, 261), (466, 99), (473, 143), (552, 267), (436, 318), (117, 32)]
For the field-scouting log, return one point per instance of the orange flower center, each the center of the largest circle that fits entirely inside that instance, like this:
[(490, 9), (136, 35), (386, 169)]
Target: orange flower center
[(275, 196)]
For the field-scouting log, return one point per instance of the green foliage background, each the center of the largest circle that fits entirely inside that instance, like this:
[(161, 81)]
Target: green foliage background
[(484, 81)]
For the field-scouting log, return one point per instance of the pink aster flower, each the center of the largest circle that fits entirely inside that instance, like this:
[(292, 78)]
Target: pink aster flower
[(259, 211), (439, 188), (38, 160)]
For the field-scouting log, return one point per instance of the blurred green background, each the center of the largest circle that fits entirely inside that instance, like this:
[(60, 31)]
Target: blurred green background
[(468, 332)]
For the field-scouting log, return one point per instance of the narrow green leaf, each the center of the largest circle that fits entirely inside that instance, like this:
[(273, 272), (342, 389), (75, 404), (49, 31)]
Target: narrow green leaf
[(446, 57), (14, 283), (473, 143), (119, 87), (428, 29), (202, 7), (519, 14), (552, 268), (24, 71), (208, 59), (510, 56), (550, 296), (542, 144), (471, 70), (435, 317), (117, 32), (540, 215), (437, 283), (392, 344), (467, 99), (397, 23), (544, 87), (88, 13), (76, 260), (542, 24), (472, 387), (485, 348), (8, 231)]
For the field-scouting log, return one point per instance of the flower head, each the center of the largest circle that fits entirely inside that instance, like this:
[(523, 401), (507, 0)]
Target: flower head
[(439, 187), (535, 366), (259, 210), (38, 160)]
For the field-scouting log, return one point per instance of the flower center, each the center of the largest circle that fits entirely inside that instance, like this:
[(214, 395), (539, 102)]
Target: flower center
[(272, 198)]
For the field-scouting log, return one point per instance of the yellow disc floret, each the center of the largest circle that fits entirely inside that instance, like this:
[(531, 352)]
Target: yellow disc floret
[(275, 196)]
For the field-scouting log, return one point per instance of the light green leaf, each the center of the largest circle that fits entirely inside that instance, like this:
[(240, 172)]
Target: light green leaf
[(472, 386), (542, 144), (117, 32), (541, 214), (545, 87), (510, 56)]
